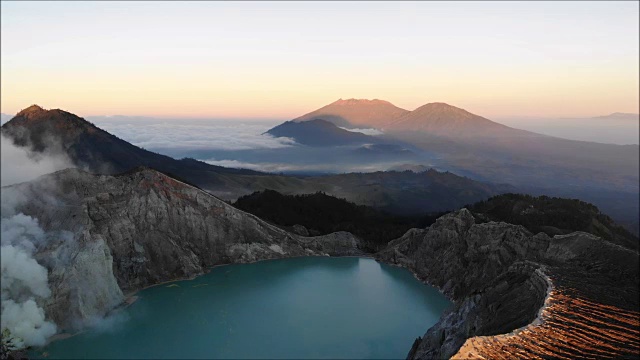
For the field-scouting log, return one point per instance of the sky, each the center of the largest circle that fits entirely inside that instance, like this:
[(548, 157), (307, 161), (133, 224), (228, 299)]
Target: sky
[(279, 60)]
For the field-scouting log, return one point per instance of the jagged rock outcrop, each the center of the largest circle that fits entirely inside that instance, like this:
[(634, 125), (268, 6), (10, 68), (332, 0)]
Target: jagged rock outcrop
[(118, 234), (300, 230), (553, 216), (516, 294), (500, 275)]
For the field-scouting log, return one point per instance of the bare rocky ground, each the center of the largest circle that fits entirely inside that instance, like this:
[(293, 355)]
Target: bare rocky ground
[(520, 295), (516, 294), (119, 234)]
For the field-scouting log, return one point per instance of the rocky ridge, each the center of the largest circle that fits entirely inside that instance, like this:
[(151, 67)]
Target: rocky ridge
[(515, 294), (113, 235), (520, 295)]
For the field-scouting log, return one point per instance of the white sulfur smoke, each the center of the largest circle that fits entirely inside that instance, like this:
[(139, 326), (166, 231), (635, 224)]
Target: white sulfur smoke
[(20, 164), (24, 282), (26, 322), (22, 276), (21, 230)]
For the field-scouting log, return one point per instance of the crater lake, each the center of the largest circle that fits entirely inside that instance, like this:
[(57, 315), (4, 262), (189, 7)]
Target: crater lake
[(310, 307)]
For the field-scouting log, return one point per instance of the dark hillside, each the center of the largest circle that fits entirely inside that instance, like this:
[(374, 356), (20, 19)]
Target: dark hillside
[(319, 132), (95, 149), (553, 216), (323, 214)]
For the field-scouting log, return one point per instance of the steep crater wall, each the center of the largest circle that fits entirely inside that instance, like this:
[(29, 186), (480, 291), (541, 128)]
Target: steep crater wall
[(134, 230), (126, 232), (505, 280)]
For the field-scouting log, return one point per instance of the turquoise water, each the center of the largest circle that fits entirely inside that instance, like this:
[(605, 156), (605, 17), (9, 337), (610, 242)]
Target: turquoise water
[(314, 307)]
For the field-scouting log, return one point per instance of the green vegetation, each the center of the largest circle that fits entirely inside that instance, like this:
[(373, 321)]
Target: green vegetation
[(323, 214), (553, 216)]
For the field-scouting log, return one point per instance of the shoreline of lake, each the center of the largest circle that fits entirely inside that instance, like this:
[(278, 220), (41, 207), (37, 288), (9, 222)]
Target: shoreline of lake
[(306, 266)]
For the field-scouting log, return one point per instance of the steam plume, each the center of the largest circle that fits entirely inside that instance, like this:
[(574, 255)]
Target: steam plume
[(24, 282)]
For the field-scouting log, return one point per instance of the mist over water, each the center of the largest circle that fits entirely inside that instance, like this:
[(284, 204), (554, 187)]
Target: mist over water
[(293, 308)]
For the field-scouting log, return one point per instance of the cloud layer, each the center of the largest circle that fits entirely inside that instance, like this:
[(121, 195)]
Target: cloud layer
[(191, 134), (300, 168), (366, 131), (621, 129)]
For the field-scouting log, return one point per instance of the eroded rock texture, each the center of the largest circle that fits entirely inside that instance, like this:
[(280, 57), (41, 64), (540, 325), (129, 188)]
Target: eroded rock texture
[(118, 234), (516, 294), (500, 276)]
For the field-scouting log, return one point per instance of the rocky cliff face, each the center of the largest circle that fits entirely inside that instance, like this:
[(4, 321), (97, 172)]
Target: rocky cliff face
[(515, 294), (125, 232), (500, 276)]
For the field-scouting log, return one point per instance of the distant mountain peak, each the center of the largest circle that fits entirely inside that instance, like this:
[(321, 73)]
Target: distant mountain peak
[(31, 111), (37, 128), (352, 113), (97, 150), (441, 106), (56, 119), (352, 101), (439, 118), (619, 115), (318, 132), (445, 111)]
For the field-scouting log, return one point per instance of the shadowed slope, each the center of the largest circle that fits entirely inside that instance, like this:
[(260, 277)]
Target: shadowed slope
[(97, 150), (445, 120), (322, 214), (91, 147), (553, 216), (319, 132)]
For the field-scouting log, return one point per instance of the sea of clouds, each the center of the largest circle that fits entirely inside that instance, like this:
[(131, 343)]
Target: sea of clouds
[(190, 134), (228, 143), (328, 168), (366, 131), (230, 135)]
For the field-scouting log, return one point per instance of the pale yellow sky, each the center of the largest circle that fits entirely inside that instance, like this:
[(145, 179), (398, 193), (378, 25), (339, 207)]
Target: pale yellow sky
[(280, 60)]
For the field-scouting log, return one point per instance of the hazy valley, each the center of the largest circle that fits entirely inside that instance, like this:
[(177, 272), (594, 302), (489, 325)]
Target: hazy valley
[(145, 205), (509, 158)]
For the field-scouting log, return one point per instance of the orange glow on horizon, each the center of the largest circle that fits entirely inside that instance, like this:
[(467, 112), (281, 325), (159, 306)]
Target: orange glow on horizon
[(230, 60)]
